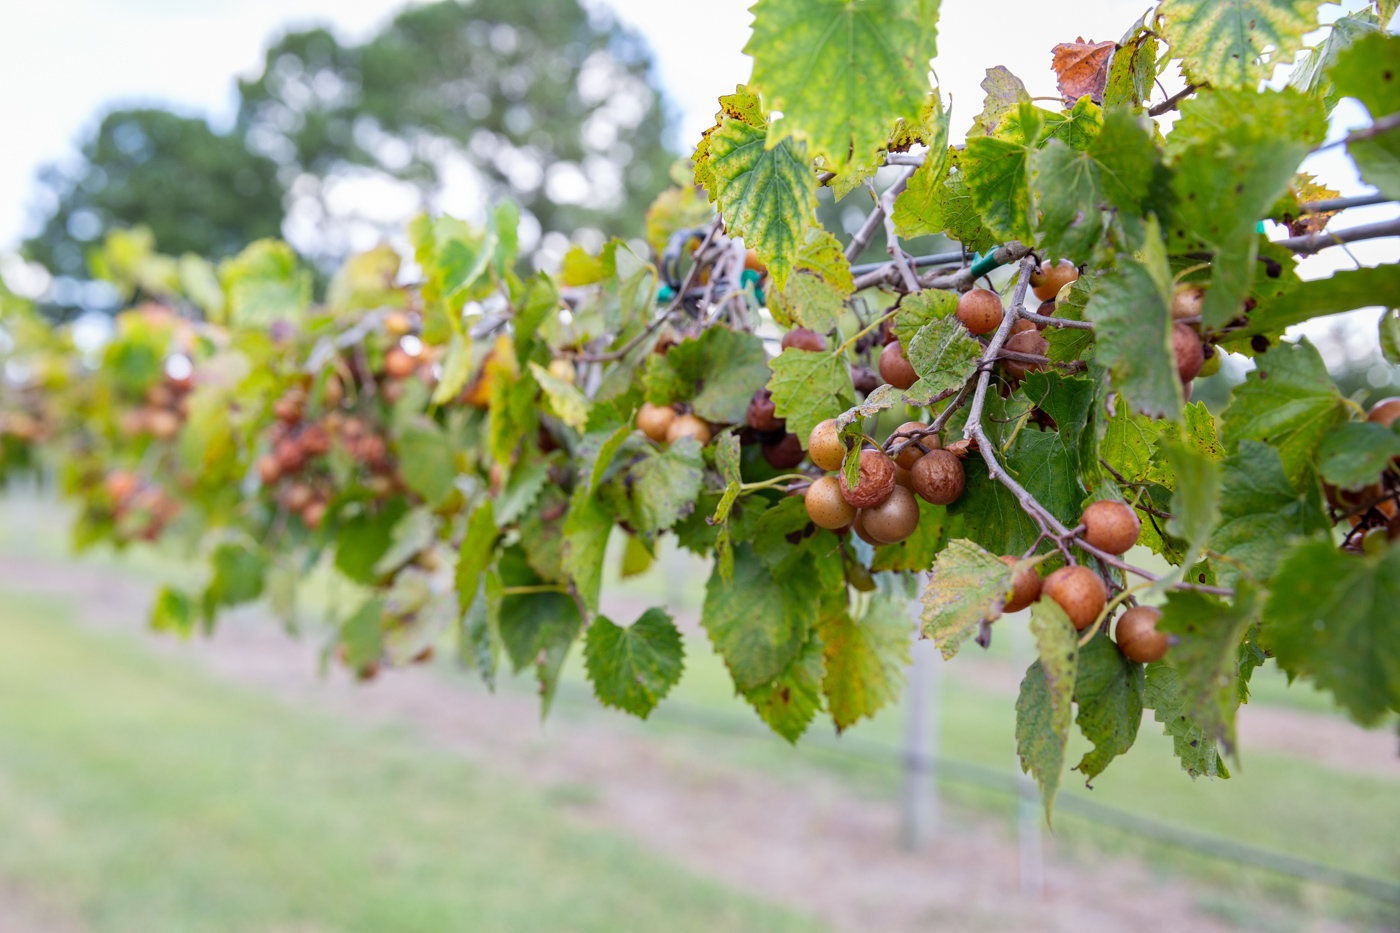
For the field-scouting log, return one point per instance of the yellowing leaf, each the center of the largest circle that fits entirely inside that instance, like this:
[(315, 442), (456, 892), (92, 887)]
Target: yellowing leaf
[(1224, 42)]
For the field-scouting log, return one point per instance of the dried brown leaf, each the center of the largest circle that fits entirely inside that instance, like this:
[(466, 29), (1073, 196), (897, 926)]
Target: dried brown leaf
[(1082, 68)]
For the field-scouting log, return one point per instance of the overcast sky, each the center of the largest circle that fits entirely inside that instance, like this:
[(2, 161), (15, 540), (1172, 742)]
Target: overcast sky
[(64, 61)]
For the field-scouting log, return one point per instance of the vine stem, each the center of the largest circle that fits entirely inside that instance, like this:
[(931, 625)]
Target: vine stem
[(872, 223), (537, 588), (865, 330), (1107, 610), (768, 483)]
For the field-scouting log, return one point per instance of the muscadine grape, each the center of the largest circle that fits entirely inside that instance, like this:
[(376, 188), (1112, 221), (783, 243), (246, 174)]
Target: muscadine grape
[(824, 446), (1022, 325), (1385, 412), (314, 513), (895, 369), (298, 496), (1189, 353), (903, 477), (1080, 593), (398, 323), (1110, 526), (760, 415), (654, 420), (1211, 365), (858, 526), (785, 454), (980, 310), (864, 380), (269, 469), (163, 424), (939, 477), (1029, 341), (910, 455), (1025, 586), (894, 519), (1188, 301), (874, 483), (688, 426), (398, 364), (1053, 278), (826, 506), (1045, 309), (1137, 635), (803, 339)]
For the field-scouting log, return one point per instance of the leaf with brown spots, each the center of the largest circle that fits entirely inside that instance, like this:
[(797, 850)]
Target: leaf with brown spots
[(1082, 68)]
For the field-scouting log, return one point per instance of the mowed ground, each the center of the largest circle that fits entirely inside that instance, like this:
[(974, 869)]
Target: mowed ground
[(149, 785)]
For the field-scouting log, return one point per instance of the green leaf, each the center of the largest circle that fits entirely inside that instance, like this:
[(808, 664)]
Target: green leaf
[(809, 387), (411, 534), (536, 628), (665, 484), (843, 71), (566, 402), (996, 172), (1205, 655), (1071, 188), (967, 586), (363, 540), (265, 283), (918, 211), (585, 543), (944, 355), (767, 196), (920, 308), (716, 372), (790, 700), (1355, 453), (1390, 336), (1195, 750), (426, 460), (1235, 43), (478, 549), (961, 217), (756, 623), (1069, 400), (1108, 691), (1260, 512), (1366, 71), (362, 635), (522, 488), (916, 552), (1331, 619), (173, 611), (632, 668), (1195, 511), (1345, 290), (865, 659), (1128, 443), (238, 576), (1310, 74), (456, 369), (1132, 69), (1131, 312), (1289, 402), (1235, 154), (816, 292), (1044, 708), (1005, 94)]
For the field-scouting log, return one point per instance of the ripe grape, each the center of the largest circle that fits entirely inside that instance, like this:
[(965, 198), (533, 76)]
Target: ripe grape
[(939, 477)]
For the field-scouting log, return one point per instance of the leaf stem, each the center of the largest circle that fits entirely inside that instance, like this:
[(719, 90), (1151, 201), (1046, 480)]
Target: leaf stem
[(537, 588)]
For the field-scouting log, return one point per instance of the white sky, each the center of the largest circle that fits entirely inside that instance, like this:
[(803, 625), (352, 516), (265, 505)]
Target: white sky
[(63, 61)]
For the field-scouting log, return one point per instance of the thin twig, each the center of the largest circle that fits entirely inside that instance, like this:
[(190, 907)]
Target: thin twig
[(1171, 102), (1056, 321), (872, 223)]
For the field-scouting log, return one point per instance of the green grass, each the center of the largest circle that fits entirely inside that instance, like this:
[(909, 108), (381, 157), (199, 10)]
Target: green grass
[(144, 796)]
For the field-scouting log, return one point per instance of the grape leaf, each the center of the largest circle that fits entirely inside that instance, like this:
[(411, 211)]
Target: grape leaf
[(1289, 402), (1355, 453), (757, 624), (587, 526), (918, 211), (842, 71), (1081, 69), (1108, 690), (1331, 619), (426, 460), (920, 308), (536, 628), (817, 290), (364, 538), (1069, 401), (1131, 311), (632, 668), (1128, 442), (566, 402), (1197, 753), (172, 611), (1235, 43), (944, 355), (1005, 93), (1367, 71), (865, 658), (1070, 188), (990, 514), (1205, 655), (767, 196), (916, 552), (961, 217), (716, 372), (478, 548), (1390, 336), (675, 209), (743, 105), (1344, 290), (1235, 153), (1310, 74), (1044, 708), (522, 488), (665, 484), (995, 171), (790, 700), (1133, 68), (1260, 512), (808, 388), (1195, 511), (967, 585)]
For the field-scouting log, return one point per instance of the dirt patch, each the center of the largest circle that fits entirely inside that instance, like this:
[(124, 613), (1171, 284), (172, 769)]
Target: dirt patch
[(810, 845)]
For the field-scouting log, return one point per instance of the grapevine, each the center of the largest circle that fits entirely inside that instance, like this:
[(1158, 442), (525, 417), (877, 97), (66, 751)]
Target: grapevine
[(991, 429)]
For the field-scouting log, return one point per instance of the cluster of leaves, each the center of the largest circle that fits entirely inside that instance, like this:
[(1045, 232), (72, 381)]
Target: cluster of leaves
[(464, 450)]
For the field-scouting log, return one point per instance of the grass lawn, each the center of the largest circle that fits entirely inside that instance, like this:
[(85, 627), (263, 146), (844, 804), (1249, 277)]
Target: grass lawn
[(143, 796)]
